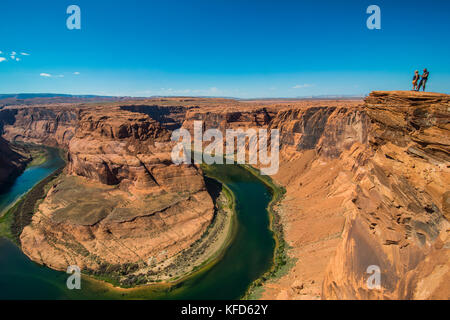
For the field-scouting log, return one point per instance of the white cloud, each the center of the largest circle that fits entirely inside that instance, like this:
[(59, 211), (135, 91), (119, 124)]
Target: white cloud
[(13, 55), (300, 86), (2, 59), (76, 73), (48, 75)]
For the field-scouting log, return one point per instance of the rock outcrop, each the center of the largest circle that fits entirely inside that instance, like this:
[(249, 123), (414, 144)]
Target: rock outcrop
[(329, 130), (399, 221), (122, 200), (48, 125), (229, 118)]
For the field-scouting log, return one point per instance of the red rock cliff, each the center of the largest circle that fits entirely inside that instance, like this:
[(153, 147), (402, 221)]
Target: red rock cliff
[(122, 201), (399, 220), (48, 125)]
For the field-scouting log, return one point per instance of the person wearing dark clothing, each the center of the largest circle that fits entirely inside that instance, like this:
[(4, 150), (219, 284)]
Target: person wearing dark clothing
[(424, 79), (415, 81)]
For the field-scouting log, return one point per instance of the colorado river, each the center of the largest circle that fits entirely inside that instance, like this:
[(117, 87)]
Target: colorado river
[(249, 255)]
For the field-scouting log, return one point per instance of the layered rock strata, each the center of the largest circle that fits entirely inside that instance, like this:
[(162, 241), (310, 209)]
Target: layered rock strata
[(367, 189), (48, 125), (122, 200), (399, 217)]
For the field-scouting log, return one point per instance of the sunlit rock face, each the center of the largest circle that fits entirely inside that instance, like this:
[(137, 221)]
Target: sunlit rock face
[(48, 125), (399, 218), (122, 199)]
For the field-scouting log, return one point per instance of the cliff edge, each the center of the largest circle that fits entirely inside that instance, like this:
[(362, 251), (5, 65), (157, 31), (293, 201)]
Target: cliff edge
[(367, 189)]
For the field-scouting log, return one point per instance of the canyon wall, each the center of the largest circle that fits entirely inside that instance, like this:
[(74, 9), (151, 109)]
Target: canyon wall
[(170, 117), (48, 125), (366, 186), (399, 218), (13, 161), (121, 200), (229, 118)]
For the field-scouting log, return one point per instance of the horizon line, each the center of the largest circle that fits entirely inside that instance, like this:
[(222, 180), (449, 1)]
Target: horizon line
[(80, 95)]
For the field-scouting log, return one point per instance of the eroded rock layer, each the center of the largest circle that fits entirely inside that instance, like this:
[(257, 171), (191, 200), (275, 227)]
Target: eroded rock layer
[(121, 201), (400, 194), (48, 125), (367, 187)]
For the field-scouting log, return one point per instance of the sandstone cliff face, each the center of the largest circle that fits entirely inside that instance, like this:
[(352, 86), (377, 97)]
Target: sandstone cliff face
[(122, 200), (110, 147), (52, 126), (329, 130), (313, 141), (170, 117), (400, 198), (366, 185), (12, 162), (228, 118)]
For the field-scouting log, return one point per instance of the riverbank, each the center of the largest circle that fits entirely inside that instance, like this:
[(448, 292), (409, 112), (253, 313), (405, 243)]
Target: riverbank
[(19, 215), (18, 204), (213, 246), (39, 157), (165, 271), (281, 260), (244, 258), (168, 271)]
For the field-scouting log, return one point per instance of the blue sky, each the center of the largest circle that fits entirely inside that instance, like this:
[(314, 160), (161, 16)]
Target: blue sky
[(244, 48)]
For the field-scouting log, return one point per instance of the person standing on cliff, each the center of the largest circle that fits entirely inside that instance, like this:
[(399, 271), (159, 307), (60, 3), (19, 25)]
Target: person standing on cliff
[(416, 78), (424, 79)]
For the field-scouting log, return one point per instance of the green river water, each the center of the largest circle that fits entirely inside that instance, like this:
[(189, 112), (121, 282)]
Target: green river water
[(249, 255)]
